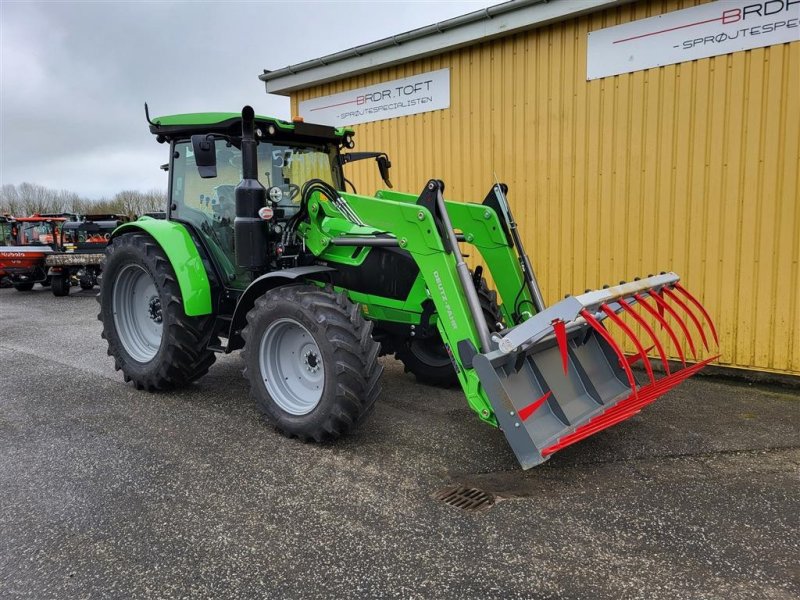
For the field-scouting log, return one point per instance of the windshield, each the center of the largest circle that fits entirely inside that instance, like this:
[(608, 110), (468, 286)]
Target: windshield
[(209, 204), (36, 232)]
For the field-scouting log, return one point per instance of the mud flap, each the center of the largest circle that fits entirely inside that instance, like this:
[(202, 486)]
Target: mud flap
[(561, 376)]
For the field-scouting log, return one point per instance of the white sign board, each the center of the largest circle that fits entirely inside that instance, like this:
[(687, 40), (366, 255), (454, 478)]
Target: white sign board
[(698, 32), (397, 98)]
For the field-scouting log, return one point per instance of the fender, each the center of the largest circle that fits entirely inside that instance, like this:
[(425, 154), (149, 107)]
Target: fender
[(258, 288), (182, 253)]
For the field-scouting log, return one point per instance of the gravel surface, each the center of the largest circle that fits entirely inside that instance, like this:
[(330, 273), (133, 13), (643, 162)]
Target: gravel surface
[(106, 492)]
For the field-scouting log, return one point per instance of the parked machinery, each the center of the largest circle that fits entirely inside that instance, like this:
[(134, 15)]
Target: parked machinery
[(81, 245), (263, 250)]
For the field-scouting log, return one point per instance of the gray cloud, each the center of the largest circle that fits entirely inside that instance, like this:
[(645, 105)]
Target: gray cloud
[(74, 75)]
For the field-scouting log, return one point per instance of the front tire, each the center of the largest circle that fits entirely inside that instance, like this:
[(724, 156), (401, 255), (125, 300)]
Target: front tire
[(428, 360), (60, 285), (23, 287), (311, 361), (153, 342)]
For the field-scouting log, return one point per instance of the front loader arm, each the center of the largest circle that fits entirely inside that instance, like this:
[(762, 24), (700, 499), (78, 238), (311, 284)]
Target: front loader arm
[(480, 226), (551, 378), (412, 228)]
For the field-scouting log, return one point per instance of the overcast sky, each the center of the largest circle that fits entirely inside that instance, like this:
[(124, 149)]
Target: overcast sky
[(74, 75)]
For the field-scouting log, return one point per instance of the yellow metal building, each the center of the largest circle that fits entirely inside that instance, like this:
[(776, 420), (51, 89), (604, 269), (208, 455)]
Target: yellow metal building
[(691, 166)]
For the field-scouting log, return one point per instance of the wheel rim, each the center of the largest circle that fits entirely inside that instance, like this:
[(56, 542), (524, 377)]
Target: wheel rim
[(431, 352), (137, 313), (291, 366)]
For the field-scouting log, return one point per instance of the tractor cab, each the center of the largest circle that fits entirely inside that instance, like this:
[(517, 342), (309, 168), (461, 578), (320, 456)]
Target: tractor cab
[(206, 166), (38, 230)]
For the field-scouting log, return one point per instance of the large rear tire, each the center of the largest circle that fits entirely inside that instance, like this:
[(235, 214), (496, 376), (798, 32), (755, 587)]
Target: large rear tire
[(311, 361), (428, 359), (153, 342)]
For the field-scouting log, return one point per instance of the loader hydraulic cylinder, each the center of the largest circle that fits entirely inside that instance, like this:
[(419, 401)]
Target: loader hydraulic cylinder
[(525, 262), (463, 272)]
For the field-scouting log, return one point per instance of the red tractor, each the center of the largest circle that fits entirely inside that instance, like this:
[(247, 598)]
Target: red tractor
[(26, 244)]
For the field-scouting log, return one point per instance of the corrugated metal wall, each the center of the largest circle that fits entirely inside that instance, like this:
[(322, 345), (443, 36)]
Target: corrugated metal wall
[(690, 167)]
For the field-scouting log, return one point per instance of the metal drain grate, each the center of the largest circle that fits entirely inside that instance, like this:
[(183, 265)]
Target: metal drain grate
[(466, 498)]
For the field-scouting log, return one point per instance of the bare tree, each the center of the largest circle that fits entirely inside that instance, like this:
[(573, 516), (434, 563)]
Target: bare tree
[(30, 198)]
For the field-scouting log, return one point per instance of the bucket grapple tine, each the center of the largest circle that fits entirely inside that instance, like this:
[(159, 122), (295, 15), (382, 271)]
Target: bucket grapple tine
[(646, 326), (526, 412), (561, 376), (603, 332), (671, 311), (629, 332), (627, 408), (672, 296), (664, 325), (701, 308), (560, 330)]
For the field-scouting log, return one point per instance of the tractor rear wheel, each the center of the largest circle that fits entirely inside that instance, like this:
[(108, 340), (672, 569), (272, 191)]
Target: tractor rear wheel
[(153, 342), (311, 361), (428, 359), (23, 287), (60, 285)]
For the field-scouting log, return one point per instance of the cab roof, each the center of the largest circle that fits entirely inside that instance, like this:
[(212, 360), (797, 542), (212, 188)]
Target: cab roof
[(230, 124)]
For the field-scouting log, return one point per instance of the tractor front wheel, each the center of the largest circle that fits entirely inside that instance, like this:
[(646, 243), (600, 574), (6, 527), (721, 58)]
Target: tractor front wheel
[(311, 361), (60, 285), (23, 287), (428, 359), (153, 342)]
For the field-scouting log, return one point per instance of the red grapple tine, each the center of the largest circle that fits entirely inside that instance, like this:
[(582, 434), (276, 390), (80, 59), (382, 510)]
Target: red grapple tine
[(654, 313), (595, 324), (634, 358), (561, 336), (672, 296), (626, 408), (660, 301), (629, 332), (702, 309), (533, 407), (659, 306), (646, 326)]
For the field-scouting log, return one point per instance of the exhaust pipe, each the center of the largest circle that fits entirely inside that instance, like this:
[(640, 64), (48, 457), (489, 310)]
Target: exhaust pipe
[(250, 230)]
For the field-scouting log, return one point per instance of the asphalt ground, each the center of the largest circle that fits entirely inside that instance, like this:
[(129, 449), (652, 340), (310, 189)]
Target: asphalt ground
[(106, 492)]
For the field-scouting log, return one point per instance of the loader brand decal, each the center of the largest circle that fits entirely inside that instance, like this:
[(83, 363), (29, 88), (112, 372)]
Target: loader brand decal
[(397, 98), (699, 32), (440, 286)]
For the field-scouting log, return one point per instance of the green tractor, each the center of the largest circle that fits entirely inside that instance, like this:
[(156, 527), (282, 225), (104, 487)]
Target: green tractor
[(263, 250)]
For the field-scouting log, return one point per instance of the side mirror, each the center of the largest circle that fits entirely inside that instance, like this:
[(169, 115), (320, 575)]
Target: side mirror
[(383, 166), (205, 155)]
